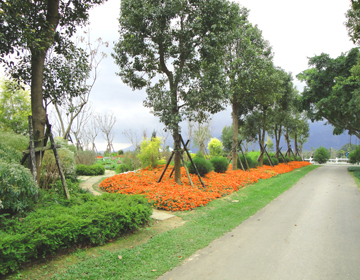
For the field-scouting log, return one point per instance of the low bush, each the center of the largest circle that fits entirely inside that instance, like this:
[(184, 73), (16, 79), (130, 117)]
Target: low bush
[(273, 159), (91, 170), (251, 162), (203, 166), (150, 152), (220, 164), (321, 155), (16, 141), (121, 168), (353, 168), (17, 188), (354, 156), (9, 154), (92, 219)]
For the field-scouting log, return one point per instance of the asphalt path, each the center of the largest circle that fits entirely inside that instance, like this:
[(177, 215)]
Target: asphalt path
[(311, 231)]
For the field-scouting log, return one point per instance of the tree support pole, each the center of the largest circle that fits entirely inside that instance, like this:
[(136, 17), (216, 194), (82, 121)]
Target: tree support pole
[(279, 152)]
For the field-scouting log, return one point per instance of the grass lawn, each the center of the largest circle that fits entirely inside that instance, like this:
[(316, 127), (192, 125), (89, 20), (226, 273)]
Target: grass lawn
[(162, 251)]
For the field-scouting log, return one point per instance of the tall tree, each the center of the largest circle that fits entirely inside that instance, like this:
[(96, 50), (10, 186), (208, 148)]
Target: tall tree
[(35, 26), (332, 91), (106, 123), (248, 54), (175, 49)]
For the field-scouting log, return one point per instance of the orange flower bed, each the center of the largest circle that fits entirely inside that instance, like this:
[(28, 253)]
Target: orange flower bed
[(168, 195)]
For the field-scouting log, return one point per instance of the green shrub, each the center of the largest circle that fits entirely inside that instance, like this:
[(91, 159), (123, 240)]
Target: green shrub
[(150, 152), (17, 188), (353, 168), (120, 152), (354, 156), (9, 154), (92, 170), (251, 162), (321, 155), (15, 141), (273, 159), (215, 147), (121, 168), (220, 164), (93, 219), (203, 166)]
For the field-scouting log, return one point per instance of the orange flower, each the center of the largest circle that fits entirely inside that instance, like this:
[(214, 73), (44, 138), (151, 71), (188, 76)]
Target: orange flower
[(168, 195)]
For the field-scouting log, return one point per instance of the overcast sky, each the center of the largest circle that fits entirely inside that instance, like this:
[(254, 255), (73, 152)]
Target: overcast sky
[(295, 29)]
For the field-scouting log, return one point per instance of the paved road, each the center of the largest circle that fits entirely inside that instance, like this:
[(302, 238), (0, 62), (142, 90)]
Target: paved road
[(312, 231)]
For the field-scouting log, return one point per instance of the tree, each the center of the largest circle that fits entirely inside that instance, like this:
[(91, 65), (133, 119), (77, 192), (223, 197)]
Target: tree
[(106, 123), (300, 132), (353, 21), (226, 137), (215, 147), (175, 49), (248, 55), (321, 155), (35, 26), (14, 107), (133, 137), (332, 91)]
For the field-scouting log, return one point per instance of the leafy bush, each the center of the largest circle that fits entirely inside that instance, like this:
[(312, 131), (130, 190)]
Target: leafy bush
[(17, 189), (203, 166), (353, 168), (92, 170), (85, 157), (215, 147), (121, 168), (354, 156), (251, 162), (15, 141), (220, 164), (93, 219), (9, 154), (273, 159), (120, 152), (150, 152), (321, 155)]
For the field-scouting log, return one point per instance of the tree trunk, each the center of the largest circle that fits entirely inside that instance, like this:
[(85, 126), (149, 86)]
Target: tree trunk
[(262, 137), (37, 106), (235, 122), (287, 138), (177, 158), (278, 130), (295, 144)]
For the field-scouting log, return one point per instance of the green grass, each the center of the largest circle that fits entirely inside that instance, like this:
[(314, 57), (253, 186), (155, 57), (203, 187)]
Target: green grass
[(167, 250), (355, 173)]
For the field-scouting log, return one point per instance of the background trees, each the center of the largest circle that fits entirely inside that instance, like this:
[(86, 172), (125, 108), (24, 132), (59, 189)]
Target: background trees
[(181, 43), (332, 91)]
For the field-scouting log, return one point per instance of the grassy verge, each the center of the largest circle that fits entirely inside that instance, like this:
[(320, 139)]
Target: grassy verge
[(355, 173), (167, 250)]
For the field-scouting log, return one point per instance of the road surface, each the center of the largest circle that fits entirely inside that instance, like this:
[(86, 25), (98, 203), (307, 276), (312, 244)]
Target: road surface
[(311, 231)]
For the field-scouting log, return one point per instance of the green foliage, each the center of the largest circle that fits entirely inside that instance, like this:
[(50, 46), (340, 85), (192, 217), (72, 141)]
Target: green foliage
[(93, 170), (89, 219), (321, 155), (226, 138), (215, 147), (120, 152), (354, 156), (9, 154), (150, 152), (13, 140), (270, 144), (273, 159), (203, 166), (353, 168), (220, 164), (17, 187), (14, 107), (250, 160), (121, 168)]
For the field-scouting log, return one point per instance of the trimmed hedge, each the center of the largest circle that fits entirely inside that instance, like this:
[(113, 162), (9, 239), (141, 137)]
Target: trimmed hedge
[(220, 164), (93, 219), (203, 166), (251, 161), (122, 168), (91, 170), (273, 159)]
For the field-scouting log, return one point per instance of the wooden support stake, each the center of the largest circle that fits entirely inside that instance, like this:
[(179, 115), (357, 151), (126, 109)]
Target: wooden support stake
[(187, 152), (42, 149), (262, 151), (167, 164), (279, 152), (242, 152), (57, 159), (187, 171), (172, 171), (32, 150)]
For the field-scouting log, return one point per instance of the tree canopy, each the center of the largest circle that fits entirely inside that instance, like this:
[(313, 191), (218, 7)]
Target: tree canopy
[(332, 91), (175, 48)]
